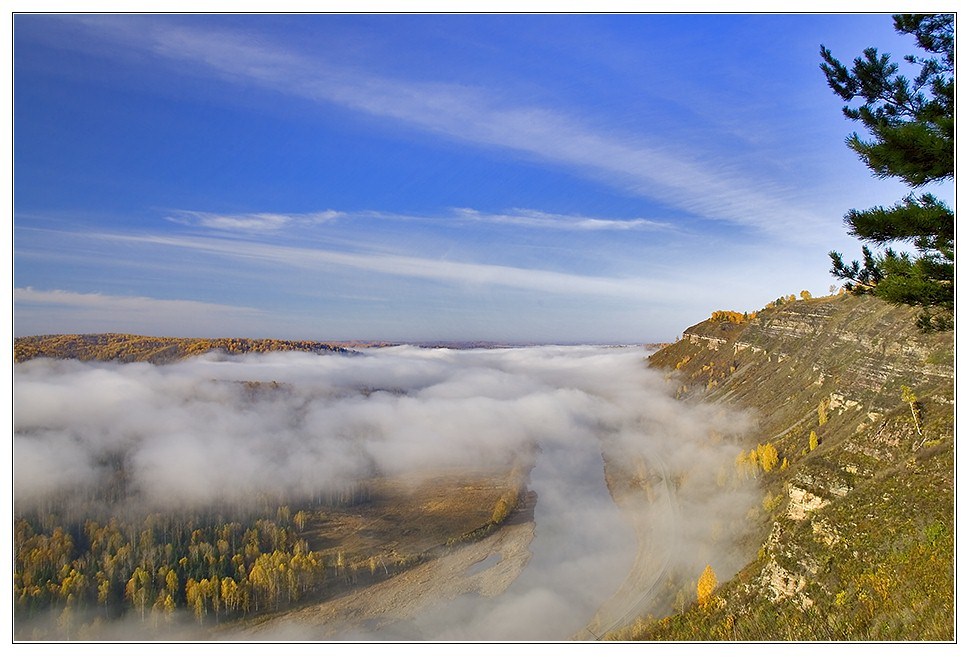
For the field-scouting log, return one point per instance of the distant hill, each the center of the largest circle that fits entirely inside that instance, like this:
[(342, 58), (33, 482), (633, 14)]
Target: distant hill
[(139, 348), (126, 348), (857, 521)]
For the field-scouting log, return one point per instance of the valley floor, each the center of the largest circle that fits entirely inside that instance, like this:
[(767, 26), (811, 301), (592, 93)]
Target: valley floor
[(402, 607)]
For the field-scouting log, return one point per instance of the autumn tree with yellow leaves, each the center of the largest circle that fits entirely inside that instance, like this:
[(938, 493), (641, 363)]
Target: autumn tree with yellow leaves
[(705, 586)]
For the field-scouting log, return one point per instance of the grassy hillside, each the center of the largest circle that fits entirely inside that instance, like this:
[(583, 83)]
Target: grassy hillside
[(857, 519)]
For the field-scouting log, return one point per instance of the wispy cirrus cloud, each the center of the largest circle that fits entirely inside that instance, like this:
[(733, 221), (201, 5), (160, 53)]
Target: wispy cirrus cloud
[(451, 272), (545, 220), (57, 311), (272, 222), (253, 222), (644, 164)]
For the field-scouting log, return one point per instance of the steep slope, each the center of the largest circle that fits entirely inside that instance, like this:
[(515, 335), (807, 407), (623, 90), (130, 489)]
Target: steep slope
[(857, 519)]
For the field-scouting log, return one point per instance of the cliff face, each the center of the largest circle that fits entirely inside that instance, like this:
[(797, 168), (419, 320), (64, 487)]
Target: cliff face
[(854, 350), (857, 517)]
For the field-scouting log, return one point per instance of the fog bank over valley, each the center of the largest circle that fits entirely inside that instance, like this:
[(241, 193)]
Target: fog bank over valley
[(221, 431)]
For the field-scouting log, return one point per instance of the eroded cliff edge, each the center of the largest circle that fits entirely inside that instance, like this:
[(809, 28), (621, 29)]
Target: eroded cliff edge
[(856, 527)]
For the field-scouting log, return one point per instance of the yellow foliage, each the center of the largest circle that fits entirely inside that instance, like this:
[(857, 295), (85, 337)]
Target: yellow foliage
[(908, 395), (705, 586), (910, 398), (771, 502), (823, 414), (767, 457), (727, 316), (763, 456), (812, 441), (505, 506), (746, 464)]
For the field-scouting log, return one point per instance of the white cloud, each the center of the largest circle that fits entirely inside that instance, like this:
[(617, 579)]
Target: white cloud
[(28, 295), (546, 220), (442, 271), (643, 164), (61, 311), (268, 222), (254, 222), (171, 424)]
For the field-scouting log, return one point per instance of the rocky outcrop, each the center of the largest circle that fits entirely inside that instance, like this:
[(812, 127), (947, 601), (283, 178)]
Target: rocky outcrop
[(865, 489), (802, 503)]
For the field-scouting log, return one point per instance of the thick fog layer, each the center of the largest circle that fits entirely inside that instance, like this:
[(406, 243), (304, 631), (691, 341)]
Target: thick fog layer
[(221, 429)]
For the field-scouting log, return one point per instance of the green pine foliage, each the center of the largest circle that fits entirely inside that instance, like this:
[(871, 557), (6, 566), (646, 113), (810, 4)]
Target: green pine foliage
[(911, 123)]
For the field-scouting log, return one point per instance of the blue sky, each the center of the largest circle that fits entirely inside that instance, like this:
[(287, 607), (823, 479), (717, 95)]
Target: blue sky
[(544, 178)]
